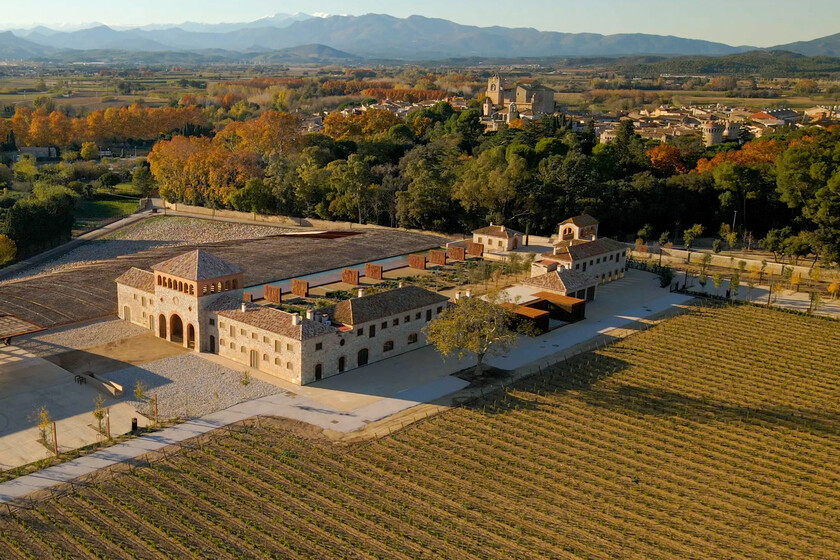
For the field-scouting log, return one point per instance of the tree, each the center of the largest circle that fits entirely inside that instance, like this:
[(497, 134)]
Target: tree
[(143, 180), (25, 168), (99, 413), (690, 234), (89, 151), (728, 235), (473, 326), (717, 280), (663, 241), (8, 250), (774, 242)]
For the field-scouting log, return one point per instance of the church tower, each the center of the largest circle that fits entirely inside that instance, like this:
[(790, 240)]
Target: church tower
[(496, 89)]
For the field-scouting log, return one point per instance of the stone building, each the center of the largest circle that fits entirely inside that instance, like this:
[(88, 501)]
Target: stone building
[(580, 249), (498, 238), (196, 299), (565, 282), (530, 98)]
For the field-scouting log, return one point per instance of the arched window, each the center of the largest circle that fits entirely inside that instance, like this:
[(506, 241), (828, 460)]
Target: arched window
[(265, 357), (204, 290), (180, 286), (158, 280), (235, 284), (412, 338), (388, 346), (212, 288), (192, 290), (219, 287), (227, 285)]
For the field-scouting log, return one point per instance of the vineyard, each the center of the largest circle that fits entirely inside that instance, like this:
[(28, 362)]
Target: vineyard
[(713, 435)]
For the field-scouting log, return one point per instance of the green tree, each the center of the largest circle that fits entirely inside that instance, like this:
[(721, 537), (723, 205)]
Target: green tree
[(143, 180), (351, 188), (690, 234), (25, 168), (473, 326), (89, 151)]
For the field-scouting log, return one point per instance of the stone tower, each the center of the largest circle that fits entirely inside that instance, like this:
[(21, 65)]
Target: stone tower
[(712, 133), (487, 107), (496, 89)]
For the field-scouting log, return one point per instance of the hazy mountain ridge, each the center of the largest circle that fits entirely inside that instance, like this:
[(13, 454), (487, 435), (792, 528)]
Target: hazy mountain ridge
[(377, 36)]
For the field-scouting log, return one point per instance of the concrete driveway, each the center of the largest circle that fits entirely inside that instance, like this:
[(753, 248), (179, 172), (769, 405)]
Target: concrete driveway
[(28, 383)]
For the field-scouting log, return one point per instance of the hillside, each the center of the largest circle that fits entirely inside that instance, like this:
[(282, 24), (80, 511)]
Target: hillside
[(13, 47), (824, 46), (381, 36), (767, 63)]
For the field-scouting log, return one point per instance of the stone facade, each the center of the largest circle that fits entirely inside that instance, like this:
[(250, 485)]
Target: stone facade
[(197, 300), (498, 238)]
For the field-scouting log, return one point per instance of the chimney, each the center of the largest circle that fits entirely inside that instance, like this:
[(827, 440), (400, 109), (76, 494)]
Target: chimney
[(244, 307), (361, 292), (310, 314), (457, 295), (401, 284), (491, 223), (469, 293), (296, 319)]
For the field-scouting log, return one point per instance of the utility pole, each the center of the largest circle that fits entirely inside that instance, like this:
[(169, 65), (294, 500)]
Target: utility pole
[(55, 441)]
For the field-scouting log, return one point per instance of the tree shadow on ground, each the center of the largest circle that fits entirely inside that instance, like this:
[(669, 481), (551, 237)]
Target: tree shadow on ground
[(660, 402)]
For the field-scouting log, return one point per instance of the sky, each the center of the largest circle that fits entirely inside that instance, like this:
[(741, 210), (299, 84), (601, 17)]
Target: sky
[(760, 23)]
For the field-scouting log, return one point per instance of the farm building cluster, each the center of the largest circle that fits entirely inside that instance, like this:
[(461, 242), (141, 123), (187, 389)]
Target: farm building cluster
[(199, 300)]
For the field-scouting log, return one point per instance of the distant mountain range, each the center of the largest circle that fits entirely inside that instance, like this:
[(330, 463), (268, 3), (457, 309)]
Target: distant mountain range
[(371, 36)]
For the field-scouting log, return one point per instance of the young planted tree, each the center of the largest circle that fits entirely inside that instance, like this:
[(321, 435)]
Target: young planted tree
[(717, 280), (663, 242), (690, 234), (473, 326), (99, 413), (734, 284)]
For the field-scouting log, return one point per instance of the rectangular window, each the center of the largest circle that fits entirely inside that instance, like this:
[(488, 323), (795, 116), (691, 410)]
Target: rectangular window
[(417, 316), (428, 315), (577, 266), (395, 322), (439, 309), (242, 332), (254, 335), (407, 319), (288, 365), (265, 339), (143, 299), (288, 347), (221, 325), (212, 322), (384, 325), (372, 331), (135, 297), (277, 346), (232, 331), (611, 257), (232, 346), (598, 260), (319, 346), (360, 332)]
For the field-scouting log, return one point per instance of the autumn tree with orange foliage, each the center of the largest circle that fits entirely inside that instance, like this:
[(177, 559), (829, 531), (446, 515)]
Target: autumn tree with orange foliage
[(136, 122), (666, 159), (751, 153), (364, 125), (272, 133), (198, 171)]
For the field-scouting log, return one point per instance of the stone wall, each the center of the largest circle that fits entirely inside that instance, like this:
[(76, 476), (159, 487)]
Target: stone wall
[(273, 294), (417, 261), (276, 355), (437, 257), (456, 253), (373, 271), (300, 288), (350, 276), (475, 249)]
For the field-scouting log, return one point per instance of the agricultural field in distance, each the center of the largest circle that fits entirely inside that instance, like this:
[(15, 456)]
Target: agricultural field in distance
[(713, 435)]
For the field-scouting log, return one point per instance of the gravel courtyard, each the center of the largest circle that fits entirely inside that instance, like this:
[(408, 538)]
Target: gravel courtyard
[(77, 337), (188, 386)]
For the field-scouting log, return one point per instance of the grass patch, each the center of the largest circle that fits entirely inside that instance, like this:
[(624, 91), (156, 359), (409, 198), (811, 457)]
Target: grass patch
[(93, 213)]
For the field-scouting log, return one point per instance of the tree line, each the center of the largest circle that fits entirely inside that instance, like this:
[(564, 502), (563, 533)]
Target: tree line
[(439, 170)]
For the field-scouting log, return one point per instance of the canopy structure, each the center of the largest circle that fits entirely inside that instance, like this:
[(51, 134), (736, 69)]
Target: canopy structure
[(10, 326)]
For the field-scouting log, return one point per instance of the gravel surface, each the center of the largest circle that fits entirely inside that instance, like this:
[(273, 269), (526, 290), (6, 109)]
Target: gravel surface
[(59, 340), (149, 234), (188, 386)]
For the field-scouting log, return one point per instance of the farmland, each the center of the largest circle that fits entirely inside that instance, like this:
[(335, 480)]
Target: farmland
[(712, 435)]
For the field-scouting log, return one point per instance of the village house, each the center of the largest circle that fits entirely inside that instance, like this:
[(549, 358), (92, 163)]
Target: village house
[(579, 248), (498, 238), (196, 299)]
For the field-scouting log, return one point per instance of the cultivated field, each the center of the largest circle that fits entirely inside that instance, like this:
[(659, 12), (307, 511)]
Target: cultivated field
[(713, 435)]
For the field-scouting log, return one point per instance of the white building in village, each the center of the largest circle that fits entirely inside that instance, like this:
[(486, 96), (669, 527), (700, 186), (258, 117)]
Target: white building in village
[(196, 299)]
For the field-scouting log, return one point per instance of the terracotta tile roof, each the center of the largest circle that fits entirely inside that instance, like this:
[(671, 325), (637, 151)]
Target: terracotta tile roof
[(561, 280), (384, 304), (581, 221), (596, 248), (197, 265), (498, 231), (268, 319), (140, 279)]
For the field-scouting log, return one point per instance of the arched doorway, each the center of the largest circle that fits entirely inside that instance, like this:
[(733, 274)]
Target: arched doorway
[(319, 372), (162, 326), (362, 357), (176, 329), (212, 344), (191, 336), (127, 313)]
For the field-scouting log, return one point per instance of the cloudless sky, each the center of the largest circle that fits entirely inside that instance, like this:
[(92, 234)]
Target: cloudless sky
[(759, 23)]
